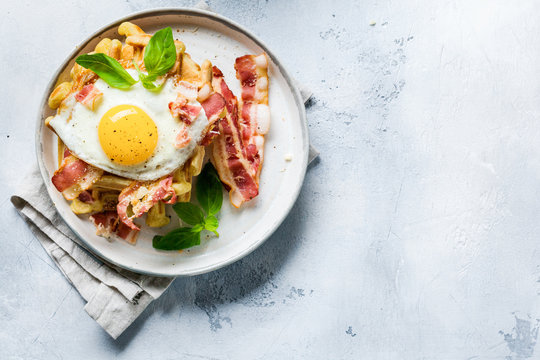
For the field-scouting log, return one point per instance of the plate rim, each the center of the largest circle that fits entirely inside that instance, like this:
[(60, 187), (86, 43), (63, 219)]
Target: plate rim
[(234, 26)]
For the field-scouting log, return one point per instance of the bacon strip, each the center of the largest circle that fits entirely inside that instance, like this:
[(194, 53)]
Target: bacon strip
[(140, 196), (252, 71), (185, 111), (126, 233), (107, 223), (232, 155), (211, 134), (214, 107), (74, 176), (89, 96)]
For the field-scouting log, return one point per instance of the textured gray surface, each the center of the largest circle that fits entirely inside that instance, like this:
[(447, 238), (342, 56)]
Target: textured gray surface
[(415, 235)]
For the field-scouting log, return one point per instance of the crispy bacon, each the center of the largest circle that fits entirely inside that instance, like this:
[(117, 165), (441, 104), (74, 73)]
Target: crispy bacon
[(246, 72), (86, 197), (107, 223), (74, 176), (182, 109), (69, 173), (182, 138), (238, 151), (140, 196), (187, 109), (231, 151), (89, 96), (127, 233), (175, 107), (124, 201), (252, 71), (210, 135), (192, 110), (215, 109)]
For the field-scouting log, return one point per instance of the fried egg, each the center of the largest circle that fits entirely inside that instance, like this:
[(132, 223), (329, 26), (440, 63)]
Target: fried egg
[(130, 133)]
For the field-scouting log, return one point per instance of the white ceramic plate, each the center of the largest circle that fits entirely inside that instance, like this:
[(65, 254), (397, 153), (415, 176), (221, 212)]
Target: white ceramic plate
[(213, 37)]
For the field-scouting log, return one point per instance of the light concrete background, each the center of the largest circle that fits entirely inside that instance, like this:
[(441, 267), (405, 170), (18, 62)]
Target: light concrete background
[(415, 236)]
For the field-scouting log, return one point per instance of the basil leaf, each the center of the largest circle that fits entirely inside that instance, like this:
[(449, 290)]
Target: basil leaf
[(189, 213), (209, 190), (160, 53), (211, 223), (177, 239), (148, 83), (136, 66), (108, 69), (147, 80), (198, 228)]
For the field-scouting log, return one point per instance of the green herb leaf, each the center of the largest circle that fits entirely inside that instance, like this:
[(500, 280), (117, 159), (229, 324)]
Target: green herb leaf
[(211, 223), (177, 239), (198, 228), (108, 69), (209, 190), (141, 74), (147, 80), (160, 53), (189, 213)]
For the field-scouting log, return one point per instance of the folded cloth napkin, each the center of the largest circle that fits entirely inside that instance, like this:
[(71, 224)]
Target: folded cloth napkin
[(115, 297)]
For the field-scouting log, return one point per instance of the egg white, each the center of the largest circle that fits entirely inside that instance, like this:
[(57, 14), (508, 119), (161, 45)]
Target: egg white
[(80, 131)]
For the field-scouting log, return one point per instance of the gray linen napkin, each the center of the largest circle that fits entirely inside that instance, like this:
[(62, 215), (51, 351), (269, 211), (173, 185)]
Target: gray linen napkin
[(115, 297)]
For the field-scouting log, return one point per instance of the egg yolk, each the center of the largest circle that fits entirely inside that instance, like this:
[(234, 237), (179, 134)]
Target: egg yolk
[(127, 134)]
